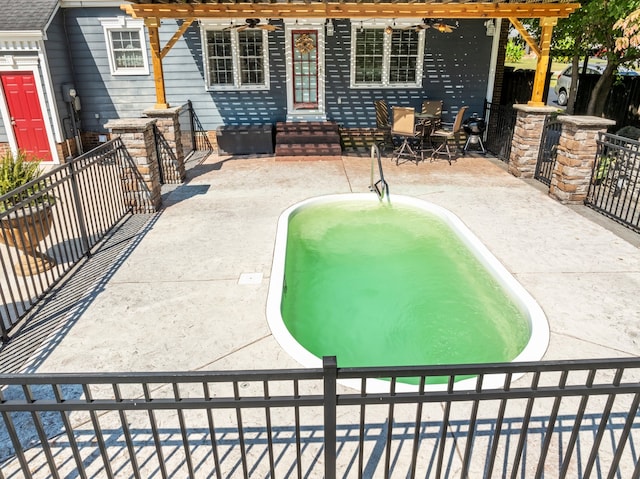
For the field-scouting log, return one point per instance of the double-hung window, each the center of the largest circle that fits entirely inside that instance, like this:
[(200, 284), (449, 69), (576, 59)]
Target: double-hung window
[(386, 56), (236, 59), (126, 46)]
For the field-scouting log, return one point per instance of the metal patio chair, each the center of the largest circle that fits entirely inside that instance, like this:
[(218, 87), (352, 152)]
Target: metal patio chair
[(404, 126), (447, 139), (383, 125)]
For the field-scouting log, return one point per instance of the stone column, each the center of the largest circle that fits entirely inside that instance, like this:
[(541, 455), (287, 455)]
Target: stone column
[(170, 143), (575, 156), (142, 186), (526, 139)]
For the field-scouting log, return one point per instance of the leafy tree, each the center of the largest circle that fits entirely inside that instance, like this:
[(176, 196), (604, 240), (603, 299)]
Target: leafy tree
[(630, 37), (591, 28)]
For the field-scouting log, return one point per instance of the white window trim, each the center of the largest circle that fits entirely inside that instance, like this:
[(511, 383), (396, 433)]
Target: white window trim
[(125, 23), (381, 24), (208, 25)]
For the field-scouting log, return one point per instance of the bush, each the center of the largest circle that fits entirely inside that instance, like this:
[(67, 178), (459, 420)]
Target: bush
[(514, 53), (16, 171)]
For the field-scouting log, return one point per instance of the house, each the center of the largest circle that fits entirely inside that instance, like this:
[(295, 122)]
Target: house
[(67, 67)]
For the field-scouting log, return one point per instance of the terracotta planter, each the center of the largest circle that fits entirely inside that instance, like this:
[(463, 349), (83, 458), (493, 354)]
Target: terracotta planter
[(24, 230)]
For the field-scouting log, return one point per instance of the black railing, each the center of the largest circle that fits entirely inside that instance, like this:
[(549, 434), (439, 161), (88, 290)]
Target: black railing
[(200, 138), (168, 165), (501, 121), (59, 218), (548, 419), (551, 133), (187, 128), (615, 188)]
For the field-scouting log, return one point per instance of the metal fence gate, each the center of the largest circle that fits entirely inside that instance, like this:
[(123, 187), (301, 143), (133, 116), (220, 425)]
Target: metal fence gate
[(548, 148), (614, 188), (501, 121)]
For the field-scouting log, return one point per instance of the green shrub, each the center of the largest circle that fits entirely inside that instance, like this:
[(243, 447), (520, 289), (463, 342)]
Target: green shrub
[(514, 53), (16, 171)]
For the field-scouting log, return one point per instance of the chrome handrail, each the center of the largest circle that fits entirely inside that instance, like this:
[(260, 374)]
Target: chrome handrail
[(381, 187)]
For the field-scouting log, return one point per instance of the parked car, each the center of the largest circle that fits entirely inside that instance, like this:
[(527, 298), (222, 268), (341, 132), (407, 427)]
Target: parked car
[(563, 80)]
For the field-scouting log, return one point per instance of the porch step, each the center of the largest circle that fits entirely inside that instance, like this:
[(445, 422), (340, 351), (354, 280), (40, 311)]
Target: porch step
[(307, 140)]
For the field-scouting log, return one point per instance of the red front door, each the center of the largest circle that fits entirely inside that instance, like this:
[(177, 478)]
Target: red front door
[(26, 114)]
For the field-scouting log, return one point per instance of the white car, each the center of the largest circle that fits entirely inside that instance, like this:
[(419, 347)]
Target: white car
[(563, 80)]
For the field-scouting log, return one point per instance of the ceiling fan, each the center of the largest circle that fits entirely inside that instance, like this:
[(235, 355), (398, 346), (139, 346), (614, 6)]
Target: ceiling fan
[(431, 23), (253, 23)]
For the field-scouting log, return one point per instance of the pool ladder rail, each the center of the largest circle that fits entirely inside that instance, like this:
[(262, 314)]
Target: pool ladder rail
[(381, 187)]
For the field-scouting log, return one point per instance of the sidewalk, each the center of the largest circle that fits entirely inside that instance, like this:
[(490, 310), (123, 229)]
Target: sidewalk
[(165, 294)]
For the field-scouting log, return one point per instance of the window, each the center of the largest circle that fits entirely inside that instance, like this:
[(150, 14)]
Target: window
[(393, 59), (236, 59), (126, 47)]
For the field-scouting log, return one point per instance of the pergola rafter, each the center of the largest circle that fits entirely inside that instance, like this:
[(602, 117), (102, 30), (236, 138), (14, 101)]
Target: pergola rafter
[(153, 11)]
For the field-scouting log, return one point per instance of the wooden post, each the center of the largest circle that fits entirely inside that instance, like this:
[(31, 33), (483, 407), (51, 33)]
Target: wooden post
[(542, 66), (153, 24)]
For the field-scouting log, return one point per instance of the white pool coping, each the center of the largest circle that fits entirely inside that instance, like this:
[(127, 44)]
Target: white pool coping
[(534, 351)]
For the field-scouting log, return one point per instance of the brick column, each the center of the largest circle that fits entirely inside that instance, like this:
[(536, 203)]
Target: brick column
[(575, 156), (168, 124), (526, 139), (138, 138)]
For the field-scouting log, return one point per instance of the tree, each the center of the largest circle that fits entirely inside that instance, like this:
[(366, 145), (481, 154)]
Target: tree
[(630, 37), (594, 27)]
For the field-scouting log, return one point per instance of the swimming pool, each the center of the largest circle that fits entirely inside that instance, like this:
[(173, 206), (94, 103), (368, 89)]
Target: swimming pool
[(390, 285)]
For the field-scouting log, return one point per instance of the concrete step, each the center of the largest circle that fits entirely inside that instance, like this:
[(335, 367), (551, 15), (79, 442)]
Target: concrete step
[(306, 149), (308, 140)]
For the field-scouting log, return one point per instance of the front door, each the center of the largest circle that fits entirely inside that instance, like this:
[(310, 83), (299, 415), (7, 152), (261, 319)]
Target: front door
[(305, 81), (305, 69), (27, 120)]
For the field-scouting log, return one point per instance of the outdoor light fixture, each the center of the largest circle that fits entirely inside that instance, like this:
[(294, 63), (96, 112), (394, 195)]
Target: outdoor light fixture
[(329, 27), (491, 27), (389, 29)]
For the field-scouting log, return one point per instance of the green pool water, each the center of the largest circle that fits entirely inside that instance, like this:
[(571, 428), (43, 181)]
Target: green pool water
[(390, 285)]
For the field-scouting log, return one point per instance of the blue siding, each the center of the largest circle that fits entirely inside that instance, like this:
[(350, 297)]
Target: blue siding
[(456, 67), (185, 80), (103, 96), (60, 68)]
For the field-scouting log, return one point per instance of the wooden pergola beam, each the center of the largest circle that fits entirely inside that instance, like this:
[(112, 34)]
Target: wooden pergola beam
[(526, 36), (153, 13), (351, 10), (544, 58)]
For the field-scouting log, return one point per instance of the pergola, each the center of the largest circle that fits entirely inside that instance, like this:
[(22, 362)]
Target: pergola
[(153, 11)]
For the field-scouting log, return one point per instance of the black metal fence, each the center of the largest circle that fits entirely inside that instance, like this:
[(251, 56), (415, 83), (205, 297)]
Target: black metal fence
[(560, 419), (193, 132), (48, 225), (501, 121), (614, 189), (551, 133)]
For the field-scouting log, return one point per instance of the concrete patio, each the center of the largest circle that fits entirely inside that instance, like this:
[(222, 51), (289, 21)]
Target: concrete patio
[(165, 293), (186, 289)]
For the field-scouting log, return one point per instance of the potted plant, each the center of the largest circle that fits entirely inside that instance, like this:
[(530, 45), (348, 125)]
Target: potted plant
[(25, 211)]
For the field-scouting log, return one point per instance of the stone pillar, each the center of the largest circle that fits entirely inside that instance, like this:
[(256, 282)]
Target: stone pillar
[(142, 186), (170, 145), (575, 156), (526, 139)]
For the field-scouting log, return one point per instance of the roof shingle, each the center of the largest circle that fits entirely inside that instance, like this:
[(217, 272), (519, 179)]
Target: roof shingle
[(26, 15)]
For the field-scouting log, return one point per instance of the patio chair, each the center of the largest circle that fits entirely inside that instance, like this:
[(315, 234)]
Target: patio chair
[(404, 126), (433, 108), (448, 138), (383, 126)]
